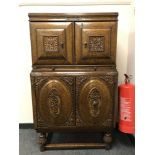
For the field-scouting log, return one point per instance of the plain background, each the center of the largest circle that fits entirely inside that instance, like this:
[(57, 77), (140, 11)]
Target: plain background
[(11, 83)]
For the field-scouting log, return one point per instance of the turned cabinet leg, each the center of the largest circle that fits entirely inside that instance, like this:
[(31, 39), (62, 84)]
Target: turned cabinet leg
[(107, 139), (42, 141)]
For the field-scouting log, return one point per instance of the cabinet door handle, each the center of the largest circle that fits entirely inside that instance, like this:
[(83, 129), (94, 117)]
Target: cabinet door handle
[(62, 45), (85, 44)]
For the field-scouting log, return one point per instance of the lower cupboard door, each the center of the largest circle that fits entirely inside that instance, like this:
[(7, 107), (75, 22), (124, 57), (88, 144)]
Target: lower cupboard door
[(94, 103), (55, 103)]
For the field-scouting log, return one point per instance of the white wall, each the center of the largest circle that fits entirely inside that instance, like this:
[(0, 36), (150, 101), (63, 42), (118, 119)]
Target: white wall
[(124, 43), (131, 48)]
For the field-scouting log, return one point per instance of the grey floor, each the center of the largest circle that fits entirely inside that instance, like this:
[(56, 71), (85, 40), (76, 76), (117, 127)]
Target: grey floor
[(28, 144)]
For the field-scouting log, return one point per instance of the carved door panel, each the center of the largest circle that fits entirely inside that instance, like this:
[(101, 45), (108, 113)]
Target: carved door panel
[(95, 101), (95, 42), (51, 42), (54, 101)]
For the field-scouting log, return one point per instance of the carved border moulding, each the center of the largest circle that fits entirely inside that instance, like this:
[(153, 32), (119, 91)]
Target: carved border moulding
[(109, 121), (71, 120), (40, 122), (96, 43), (94, 99), (79, 122), (108, 78), (54, 103), (81, 79), (68, 79), (36, 81), (51, 43)]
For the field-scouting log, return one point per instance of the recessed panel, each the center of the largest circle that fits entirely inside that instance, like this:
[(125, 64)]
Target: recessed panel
[(95, 42), (94, 103), (51, 42), (55, 103)]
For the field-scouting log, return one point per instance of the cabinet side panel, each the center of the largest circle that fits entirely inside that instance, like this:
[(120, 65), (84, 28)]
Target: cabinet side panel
[(116, 114), (34, 102)]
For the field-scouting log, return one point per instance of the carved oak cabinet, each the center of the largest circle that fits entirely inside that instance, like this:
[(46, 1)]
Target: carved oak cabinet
[(74, 76)]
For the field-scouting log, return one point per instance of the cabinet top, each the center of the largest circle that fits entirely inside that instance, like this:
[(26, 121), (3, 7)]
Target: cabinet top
[(108, 16)]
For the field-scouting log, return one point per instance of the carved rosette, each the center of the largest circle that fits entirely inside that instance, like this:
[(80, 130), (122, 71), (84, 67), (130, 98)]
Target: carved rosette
[(51, 43), (96, 43), (54, 103), (94, 99)]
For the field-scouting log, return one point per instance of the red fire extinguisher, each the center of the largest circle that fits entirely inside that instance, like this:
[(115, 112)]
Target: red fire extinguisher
[(127, 106)]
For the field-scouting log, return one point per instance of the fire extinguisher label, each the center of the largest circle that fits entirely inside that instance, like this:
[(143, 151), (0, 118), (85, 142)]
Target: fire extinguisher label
[(125, 106)]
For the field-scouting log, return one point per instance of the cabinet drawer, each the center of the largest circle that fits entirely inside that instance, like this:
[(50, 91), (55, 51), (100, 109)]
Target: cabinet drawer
[(95, 42), (51, 42), (53, 100), (95, 96)]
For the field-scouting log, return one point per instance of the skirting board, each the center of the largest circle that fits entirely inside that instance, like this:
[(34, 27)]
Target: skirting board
[(26, 126)]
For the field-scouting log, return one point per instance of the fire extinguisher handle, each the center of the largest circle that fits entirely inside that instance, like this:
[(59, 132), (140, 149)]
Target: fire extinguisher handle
[(127, 78)]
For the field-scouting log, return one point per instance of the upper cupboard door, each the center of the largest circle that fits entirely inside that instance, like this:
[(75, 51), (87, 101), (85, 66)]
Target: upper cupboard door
[(51, 42), (95, 42)]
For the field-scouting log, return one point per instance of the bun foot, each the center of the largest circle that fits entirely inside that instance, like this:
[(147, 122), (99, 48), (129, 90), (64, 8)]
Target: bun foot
[(108, 146), (42, 141), (107, 139), (42, 148)]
